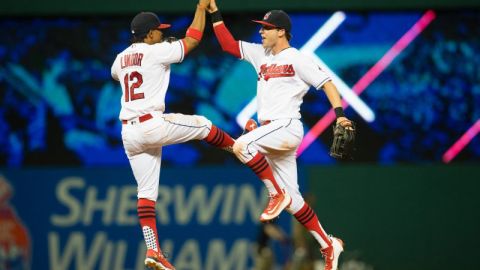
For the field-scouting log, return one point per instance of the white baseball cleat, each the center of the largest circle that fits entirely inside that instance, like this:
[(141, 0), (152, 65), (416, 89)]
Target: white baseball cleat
[(275, 206), (332, 253)]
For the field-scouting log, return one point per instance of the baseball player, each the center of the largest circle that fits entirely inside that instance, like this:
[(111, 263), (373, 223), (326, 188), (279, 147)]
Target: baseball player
[(284, 77), (143, 70)]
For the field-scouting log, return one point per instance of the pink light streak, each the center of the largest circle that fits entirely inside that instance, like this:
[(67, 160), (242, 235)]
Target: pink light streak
[(369, 77), (458, 146)]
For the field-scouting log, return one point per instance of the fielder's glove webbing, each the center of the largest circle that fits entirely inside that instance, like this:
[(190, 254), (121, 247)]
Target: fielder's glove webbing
[(343, 144)]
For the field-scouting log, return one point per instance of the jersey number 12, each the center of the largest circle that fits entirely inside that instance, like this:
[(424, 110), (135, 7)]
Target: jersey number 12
[(132, 81)]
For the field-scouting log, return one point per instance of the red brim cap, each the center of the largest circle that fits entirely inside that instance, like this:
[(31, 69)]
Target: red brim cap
[(264, 23), (163, 26)]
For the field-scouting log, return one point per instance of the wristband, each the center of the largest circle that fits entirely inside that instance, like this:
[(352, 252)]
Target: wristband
[(216, 16), (194, 33), (339, 112)]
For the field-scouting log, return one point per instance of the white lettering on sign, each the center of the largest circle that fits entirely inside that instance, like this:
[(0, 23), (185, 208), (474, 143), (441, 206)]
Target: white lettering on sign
[(105, 254), (83, 207), (116, 205)]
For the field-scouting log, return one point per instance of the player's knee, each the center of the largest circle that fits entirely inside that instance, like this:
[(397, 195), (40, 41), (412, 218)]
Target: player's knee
[(149, 195), (238, 148), (202, 121)]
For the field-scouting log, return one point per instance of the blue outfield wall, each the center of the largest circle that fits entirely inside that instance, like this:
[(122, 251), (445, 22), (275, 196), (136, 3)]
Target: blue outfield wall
[(86, 218), (398, 217)]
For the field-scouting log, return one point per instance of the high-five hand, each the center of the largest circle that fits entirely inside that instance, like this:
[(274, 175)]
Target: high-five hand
[(204, 3), (213, 6)]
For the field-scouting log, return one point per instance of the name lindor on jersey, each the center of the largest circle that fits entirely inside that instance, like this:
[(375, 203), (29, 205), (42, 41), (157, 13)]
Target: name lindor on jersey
[(133, 59), (275, 71)]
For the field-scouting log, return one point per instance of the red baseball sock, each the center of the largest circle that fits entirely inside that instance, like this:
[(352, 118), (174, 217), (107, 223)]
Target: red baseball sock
[(219, 138), (307, 217), (262, 169), (147, 218)]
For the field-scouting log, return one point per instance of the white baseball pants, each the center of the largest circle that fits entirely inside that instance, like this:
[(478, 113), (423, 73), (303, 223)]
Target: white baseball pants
[(278, 142), (143, 145)]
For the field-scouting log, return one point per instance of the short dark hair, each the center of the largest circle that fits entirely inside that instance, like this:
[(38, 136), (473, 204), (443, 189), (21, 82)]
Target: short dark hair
[(138, 38), (288, 35)]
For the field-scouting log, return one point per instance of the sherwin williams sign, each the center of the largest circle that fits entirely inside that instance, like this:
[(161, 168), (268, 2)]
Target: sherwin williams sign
[(86, 218)]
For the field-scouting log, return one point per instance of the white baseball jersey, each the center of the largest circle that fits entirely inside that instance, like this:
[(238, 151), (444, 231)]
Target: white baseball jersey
[(283, 80), (144, 73)]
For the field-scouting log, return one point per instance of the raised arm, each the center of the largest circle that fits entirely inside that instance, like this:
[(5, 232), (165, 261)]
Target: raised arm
[(225, 38), (195, 31)]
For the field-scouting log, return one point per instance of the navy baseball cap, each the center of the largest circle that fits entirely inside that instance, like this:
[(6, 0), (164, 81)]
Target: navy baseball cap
[(143, 22), (277, 19)]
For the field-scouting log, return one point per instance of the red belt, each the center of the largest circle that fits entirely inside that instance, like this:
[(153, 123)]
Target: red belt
[(141, 119), (266, 122)]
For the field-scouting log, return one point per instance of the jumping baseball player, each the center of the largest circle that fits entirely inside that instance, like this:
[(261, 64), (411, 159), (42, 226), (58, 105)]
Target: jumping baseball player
[(143, 70), (284, 77)]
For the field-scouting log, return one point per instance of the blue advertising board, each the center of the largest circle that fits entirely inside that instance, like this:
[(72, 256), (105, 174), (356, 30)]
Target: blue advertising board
[(207, 218)]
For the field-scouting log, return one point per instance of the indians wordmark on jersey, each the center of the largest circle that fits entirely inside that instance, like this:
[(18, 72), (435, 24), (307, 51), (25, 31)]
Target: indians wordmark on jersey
[(276, 71)]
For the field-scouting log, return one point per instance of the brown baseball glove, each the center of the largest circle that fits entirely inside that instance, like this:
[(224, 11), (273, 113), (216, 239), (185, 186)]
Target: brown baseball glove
[(343, 144)]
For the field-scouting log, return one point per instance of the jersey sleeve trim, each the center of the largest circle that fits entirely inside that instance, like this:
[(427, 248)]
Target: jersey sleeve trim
[(242, 54), (183, 48), (322, 83)]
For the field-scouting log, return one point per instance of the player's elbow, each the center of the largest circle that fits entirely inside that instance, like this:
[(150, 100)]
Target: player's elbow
[(191, 43), (329, 86), (231, 48), (226, 48)]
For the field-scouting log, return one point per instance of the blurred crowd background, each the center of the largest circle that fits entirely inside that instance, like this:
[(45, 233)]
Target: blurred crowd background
[(59, 105)]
